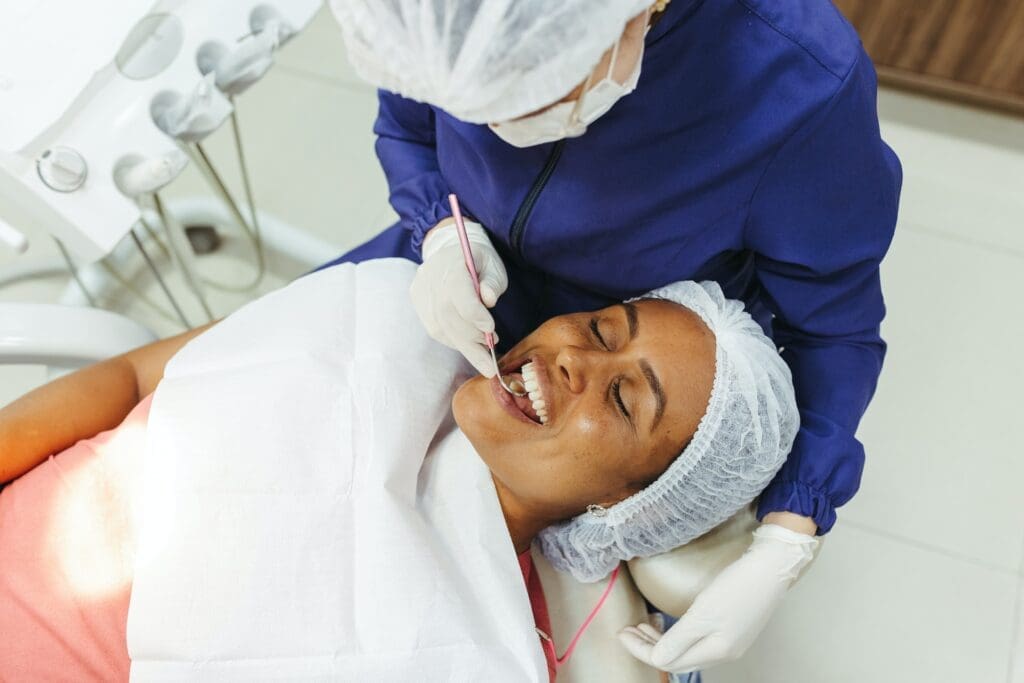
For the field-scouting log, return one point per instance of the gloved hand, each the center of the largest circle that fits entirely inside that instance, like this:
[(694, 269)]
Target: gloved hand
[(443, 294), (728, 615)]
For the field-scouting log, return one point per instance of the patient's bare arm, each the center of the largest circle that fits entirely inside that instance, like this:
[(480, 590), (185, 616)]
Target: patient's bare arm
[(80, 405)]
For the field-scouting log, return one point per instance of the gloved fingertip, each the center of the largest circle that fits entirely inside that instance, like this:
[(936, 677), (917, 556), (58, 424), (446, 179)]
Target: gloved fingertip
[(636, 646), (650, 631), (634, 634), (487, 296), (664, 658), (626, 638), (483, 364)]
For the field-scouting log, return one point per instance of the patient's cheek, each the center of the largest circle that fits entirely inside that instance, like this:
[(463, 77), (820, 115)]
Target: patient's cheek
[(469, 406), (588, 428), (462, 404)]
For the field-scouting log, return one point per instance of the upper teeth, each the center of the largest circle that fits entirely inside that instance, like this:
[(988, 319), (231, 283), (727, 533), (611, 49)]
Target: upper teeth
[(533, 389)]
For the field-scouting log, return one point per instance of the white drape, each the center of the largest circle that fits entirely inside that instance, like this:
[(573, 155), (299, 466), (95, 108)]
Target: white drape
[(311, 511)]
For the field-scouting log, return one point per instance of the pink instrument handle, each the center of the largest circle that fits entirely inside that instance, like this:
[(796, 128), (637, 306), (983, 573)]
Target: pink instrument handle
[(467, 254)]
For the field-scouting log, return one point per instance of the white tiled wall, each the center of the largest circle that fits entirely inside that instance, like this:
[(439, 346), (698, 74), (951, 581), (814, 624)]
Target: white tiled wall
[(921, 579)]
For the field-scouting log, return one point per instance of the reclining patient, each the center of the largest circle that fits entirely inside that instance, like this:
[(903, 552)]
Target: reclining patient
[(295, 501)]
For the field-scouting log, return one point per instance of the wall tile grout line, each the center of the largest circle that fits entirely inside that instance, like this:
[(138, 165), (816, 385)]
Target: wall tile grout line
[(921, 545)]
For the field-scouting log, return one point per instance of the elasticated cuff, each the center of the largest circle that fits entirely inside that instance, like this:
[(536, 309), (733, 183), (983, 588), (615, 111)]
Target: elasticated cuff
[(421, 224), (800, 499)]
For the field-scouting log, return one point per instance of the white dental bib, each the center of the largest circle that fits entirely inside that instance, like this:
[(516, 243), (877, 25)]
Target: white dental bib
[(312, 513)]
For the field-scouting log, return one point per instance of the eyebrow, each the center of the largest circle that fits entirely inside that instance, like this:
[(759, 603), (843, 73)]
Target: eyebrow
[(632, 319), (659, 393)]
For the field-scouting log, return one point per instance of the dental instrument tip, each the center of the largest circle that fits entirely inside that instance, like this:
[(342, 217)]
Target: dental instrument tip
[(517, 388), (512, 389)]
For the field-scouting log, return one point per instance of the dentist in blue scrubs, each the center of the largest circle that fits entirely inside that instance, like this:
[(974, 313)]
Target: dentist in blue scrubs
[(603, 148)]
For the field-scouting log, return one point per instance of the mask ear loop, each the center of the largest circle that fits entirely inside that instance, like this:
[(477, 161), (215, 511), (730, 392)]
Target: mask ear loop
[(614, 60), (574, 116)]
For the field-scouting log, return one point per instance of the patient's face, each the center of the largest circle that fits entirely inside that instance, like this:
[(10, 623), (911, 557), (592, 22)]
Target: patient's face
[(623, 388)]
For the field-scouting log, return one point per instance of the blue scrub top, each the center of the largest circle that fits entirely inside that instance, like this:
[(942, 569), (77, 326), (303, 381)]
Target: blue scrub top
[(749, 154)]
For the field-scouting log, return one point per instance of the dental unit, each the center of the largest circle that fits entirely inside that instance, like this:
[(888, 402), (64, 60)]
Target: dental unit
[(85, 157)]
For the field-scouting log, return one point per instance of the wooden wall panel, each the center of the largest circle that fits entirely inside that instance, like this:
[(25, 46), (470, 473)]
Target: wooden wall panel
[(966, 49)]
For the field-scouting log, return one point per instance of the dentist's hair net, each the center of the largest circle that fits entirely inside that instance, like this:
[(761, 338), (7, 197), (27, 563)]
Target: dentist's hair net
[(741, 442), (481, 61)]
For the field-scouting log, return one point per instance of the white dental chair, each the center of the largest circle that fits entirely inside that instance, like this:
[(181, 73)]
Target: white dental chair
[(63, 338), (670, 582)]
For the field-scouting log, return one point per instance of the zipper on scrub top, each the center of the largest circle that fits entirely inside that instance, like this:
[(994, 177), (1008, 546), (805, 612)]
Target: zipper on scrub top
[(523, 214)]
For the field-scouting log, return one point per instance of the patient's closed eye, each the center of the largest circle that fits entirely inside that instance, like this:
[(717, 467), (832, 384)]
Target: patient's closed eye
[(595, 329), (605, 333), (617, 393)]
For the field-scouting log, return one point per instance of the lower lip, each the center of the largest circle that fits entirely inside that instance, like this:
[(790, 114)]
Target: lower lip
[(506, 402)]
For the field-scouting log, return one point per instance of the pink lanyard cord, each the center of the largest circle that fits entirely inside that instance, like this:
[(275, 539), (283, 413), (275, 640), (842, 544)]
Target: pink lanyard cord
[(550, 645)]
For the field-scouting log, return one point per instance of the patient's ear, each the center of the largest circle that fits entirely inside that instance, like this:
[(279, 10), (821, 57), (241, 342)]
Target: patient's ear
[(622, 495), (632, 488), (628, 489)]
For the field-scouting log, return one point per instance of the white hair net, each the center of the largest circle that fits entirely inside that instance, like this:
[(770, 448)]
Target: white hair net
[(741, 442), (481, 61)]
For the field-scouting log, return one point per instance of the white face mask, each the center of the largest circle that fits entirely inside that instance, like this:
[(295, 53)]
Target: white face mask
[(570, 119)]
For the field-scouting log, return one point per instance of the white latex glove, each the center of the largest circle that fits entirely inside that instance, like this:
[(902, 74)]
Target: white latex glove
[(728, 615), (445, 300)]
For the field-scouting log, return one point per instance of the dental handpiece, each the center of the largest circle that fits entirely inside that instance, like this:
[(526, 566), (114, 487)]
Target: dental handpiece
[(467, 253)]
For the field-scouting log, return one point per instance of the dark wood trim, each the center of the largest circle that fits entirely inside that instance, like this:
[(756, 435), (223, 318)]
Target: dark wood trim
[(950, 90), (966, 50)]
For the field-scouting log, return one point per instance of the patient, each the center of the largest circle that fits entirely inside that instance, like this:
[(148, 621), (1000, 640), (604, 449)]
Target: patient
[(647, 424)]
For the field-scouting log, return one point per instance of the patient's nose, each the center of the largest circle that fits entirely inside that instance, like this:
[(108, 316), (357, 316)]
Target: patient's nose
[(574, 366)]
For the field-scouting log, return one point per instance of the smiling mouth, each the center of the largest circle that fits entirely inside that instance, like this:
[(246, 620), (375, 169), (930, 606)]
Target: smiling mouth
[(533, 405)]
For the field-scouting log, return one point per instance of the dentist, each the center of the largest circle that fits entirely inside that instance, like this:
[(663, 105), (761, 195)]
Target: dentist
[(603, 148)]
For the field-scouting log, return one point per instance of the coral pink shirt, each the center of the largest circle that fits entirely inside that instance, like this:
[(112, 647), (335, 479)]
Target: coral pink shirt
[(540, 608), (67, 547)]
